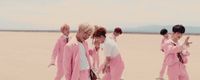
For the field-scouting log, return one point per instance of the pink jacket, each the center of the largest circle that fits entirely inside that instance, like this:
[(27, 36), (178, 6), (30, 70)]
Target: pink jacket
[(171, 51), (71, 59), (58, 49), (162, 45)]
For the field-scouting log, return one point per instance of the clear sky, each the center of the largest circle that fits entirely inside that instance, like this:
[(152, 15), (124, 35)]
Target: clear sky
[(53, 13)]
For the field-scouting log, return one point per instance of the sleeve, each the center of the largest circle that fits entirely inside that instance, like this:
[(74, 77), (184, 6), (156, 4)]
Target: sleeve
[(171, 49), (56, 51), (67, 62), (185, 55), (186, 52), (162, 45)]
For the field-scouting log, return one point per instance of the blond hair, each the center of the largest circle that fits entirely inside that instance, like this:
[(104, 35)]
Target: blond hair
[(64, 27), (85, 28)]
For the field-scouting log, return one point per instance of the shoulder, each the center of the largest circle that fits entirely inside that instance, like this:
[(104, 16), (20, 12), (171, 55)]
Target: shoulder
[(167, 42), (109, 42), (61, 38), (72, 43)]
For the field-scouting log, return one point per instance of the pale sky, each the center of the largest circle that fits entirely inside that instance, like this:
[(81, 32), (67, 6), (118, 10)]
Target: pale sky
[(53, 13)]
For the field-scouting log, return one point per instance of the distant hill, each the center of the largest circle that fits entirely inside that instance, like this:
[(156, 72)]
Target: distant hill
[(154, 29), (157, 28)]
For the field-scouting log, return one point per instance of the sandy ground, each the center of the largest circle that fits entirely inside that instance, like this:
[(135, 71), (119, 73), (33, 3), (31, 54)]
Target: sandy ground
[(25, 56)]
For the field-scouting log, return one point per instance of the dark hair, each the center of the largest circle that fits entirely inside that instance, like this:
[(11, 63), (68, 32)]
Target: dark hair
[(118, 30), (163, 31), (100, 32), (178, 28)]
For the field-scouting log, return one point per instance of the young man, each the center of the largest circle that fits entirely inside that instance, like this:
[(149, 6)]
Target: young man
[(165, 38), (76, 56), (116, 33), (114, 65), (164, 33), (176, 54), (58, 51)]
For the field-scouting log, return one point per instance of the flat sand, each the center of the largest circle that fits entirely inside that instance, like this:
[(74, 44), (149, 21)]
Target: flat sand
[(25, 56)]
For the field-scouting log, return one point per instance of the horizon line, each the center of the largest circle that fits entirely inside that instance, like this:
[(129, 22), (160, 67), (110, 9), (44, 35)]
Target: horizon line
[(73, 31)]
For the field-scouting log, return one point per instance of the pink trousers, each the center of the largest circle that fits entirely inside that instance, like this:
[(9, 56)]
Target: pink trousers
[(177, 71), (60, 71), (162, 71), (116, 69)]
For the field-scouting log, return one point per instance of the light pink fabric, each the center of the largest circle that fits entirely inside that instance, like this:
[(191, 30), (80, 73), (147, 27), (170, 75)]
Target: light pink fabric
[(162, 71), (116, 69), (163, 46), (58, 55), (164, 66), (95, 58), (84, 75), (176, 69), (71, 59), (171, 52)]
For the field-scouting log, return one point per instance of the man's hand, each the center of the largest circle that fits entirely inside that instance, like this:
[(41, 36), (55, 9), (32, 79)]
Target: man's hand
[(106, 68), (187, 43)]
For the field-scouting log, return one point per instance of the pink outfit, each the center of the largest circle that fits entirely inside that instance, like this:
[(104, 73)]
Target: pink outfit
[(58, 55), (176, 68), (162, 46), (71, 61), (116, 64), (84, 75), (116, 69), (162, 71)]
